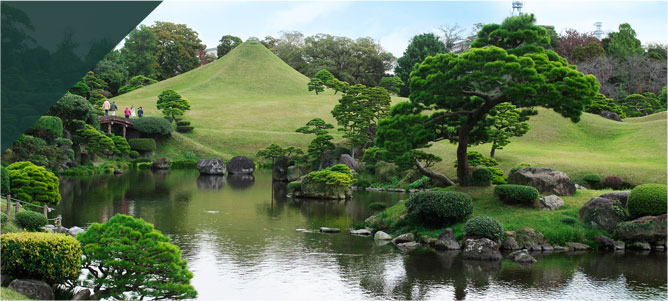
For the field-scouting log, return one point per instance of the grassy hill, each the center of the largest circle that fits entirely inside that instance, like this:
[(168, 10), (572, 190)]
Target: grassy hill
[(249, 99)]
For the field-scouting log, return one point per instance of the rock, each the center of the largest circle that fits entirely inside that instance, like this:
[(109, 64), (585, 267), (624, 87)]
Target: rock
[(619, 245), (560, 249), (380, 235), (240, 165), (610, 115), (294, 173), (33, 289), (408, 246), (407, 237), (529, 236), (75, 230), (160, 163), (550, 202), (363, 232), (619, 196), (348, 161), (319, 190), (659, 248), (210, 182), (546, 180), (602, 213), (510, 244), (213, 166), (481, 249), (329, 230), (580, 187), (547, 247), (374, 223), (522, 257), (446, 241), (576, 246), (638, 245), (647, 228), (534, 248), (279, 169), (83, 294), (605, 242)]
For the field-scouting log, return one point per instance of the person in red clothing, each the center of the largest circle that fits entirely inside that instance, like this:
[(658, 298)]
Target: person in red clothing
[(127, 112)]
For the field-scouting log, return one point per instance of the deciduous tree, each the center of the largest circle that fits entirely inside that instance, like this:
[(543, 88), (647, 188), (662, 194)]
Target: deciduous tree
[(177, 49), (140, 52), (227, 43)]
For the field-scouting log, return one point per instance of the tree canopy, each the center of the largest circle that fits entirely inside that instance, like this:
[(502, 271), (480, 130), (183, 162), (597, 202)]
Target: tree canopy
[(176, 50), (32, 183), (140, 52), (420, 47), (227, 43), (172, 104)]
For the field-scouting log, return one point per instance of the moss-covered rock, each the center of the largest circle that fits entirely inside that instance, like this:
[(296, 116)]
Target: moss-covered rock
[(329, 183), (602, 213), (648, 229)]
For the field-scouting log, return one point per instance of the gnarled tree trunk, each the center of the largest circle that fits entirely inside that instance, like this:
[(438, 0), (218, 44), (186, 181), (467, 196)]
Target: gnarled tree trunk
[(434, 175)]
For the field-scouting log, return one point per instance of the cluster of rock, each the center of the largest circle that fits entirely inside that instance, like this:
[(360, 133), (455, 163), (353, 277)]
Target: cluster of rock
[(60, 229), (215, 166), (400, 190), (40, 290), (160, 163)]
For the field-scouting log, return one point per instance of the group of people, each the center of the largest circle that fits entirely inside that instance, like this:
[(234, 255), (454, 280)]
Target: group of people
[(129, 112)]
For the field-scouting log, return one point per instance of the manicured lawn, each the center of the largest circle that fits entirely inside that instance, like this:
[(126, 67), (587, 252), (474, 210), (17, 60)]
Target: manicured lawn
[(10, 294)]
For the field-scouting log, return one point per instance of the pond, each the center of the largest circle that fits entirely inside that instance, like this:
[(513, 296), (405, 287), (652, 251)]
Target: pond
[(239, 237)]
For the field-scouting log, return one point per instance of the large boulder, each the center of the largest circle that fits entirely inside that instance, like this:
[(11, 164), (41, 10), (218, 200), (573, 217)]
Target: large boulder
[(605, 242), (522, 257), (550, 202), (610, 115), (83, 294), (213, 166), (160, 163), (380, 235), (617, 196), (33, 289), (240, 165), (403, 238), (529, 237), (647, 229), (319, 190), (74, 231), (510, 244), (602, 213), (348, 161), (545, 180), (294, 173), (481, 249)]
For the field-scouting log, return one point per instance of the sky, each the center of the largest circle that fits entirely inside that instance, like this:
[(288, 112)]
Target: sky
[(393, 23)]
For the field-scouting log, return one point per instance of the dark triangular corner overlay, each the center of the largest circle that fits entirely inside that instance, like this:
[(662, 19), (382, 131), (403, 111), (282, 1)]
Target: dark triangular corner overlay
[(47, 46)]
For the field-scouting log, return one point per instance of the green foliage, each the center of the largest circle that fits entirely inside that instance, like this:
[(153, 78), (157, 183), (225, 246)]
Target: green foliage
[(112, 71), (439, 208), (30, 220), (176, 50), (392, 84), (144, 165), (497, 176), (227, 43), (420, 183), (4, 218), (32, 183), (592, 179), (47, 128), (315, 84), (172, 104), (636, 105), (74, 107), (80, 88), (481, 177), (153, 126), (337, 175), (142, 144), (315, 126), (516, 194), (182, 123), (569, 220), (478, 159), (93, 82), (5, 188), (584, 53), (133, 154), (325, 77), (508, 122), (139, 52), (484, 226), (129, 255), (647, 199), (518, 35), (52, 258), (275, 151), (358, 111), (294, 186), (624, 42), (183, 164), (322, 141), (420, 47), (600, 103), (94, 140), (121, 146), (135, 83), (96, 100), (377, 206)]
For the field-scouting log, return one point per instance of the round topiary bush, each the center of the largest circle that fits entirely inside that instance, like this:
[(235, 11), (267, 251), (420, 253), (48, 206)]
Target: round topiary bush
[(516, 194), (377, 205), (52, 258), (153, 126), (133, 154), (294, 186), (439, 208), (592, 179), (30, 220), (484, 226), (647, 199), (142, 144), (481, 177)]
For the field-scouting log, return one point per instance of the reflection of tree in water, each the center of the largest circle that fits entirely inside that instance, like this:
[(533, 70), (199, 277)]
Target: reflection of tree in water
[(551, 271), (240, 181), (213, 182), (638, 269)]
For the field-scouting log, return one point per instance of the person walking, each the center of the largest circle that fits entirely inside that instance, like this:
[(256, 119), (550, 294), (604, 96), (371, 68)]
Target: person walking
[(132, 112), (127, 112), (113, 108), (140, 112), (106, 107)]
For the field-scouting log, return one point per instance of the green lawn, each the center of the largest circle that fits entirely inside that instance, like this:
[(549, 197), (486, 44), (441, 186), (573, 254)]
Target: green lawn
[(249, 99), (10, 294)]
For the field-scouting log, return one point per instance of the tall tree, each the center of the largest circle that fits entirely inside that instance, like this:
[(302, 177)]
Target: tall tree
[(172, 104), (140, 52), (177, 49), (392, 84), (420, 47), (624, 42), (290, 48), (571, 39), (227, 43), (112, 71)]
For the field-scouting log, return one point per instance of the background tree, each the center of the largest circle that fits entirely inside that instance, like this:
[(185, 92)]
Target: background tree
[(315, 84), (227, 43), (657, 51), (600, 103), (176, 51), (32, 183), (392, 84), (419, 47), (140, 52), (135, 83), (93, 82), (112, 71), (452, 36), (290, 48), (172, 104), (587, 52), (571, 39), (275, 151), (508, 122), (636, 105), (129, 255), (624, 43)]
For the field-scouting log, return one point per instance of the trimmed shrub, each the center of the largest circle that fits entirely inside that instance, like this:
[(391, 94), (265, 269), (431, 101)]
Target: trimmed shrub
[(294, 186), (592, 179), (142, 144), (184, 129), (377, 206), (121, 145), (32, 183), (439, 208), (484, 226), (184, 164), (516, 194), (153, 126), (133, 154), (182, 123), (497, 176), (47, 127), (52, 258), (481, 177), (30, 220), (4, 217), (647, 199), (63, 142), (144, 165)]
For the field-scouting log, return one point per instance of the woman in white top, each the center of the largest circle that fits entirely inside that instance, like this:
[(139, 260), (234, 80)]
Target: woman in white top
[(132, 112)]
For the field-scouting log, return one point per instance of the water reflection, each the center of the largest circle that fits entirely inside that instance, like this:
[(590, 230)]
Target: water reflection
[(240, 181), (210, 182)]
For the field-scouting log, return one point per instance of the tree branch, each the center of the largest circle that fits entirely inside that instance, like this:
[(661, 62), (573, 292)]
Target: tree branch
[(432, 174), (446, 115)]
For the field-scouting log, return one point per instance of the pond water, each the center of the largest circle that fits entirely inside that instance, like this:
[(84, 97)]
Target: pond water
[(239, 237)]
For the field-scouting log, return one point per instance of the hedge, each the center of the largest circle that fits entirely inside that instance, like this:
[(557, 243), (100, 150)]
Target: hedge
[(184, 164), (592, 179), (481, 177), (52, 258), (439, 208), (30, 220), (183, 123), (52, 125), (516, 194), (142, 144), (184, 129), (484, 226), (647, 199), (153, 126)]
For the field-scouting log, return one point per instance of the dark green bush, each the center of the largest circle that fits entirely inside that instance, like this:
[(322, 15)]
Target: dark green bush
[(184, 129), (481, 177), (592, 179), (153, 126), (30, 220), (183, 164), (47, 127), (377, 206), (3, 217), (183, 123), (121, 145), (142, 144), (647, 199), (133, 154), (484, 226), (613, 182), (63, 142), (52, 258), (362, 183), (439, 208), (294, 186), (497, 176), (516, 194)]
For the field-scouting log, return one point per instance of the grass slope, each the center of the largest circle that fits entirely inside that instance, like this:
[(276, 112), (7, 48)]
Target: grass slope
[(249, 99)]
